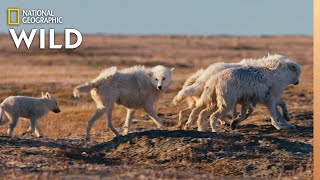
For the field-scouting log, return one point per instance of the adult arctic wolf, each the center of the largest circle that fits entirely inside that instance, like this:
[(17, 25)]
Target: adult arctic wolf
[(253, 85), (195, 90), (31, 108), (135, 88)]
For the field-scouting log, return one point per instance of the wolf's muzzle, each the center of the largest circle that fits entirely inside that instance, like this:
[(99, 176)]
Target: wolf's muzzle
[(296, 83), (56, 110)]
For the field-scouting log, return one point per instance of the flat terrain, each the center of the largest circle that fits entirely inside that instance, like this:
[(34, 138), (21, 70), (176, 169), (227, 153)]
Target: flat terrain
[(255, 149)]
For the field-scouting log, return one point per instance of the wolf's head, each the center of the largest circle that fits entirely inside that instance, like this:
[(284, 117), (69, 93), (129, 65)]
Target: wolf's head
[(52, 102), (286, 70), (160, 77), (292, 72)]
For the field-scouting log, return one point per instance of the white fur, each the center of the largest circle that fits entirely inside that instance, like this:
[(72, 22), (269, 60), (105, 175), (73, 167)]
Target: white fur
[(262, 82), (191, 100), (195, 90), (34, 109), (135, 88)]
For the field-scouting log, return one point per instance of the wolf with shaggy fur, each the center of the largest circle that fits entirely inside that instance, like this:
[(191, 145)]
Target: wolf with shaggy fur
[(250, 85), (135, 88), (196, 88), (34, 109)]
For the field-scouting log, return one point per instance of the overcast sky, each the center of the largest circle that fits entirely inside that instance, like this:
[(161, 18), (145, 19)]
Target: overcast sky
[(212, 17)]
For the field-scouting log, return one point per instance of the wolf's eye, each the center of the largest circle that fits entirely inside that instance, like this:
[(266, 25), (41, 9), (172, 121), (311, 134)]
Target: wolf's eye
[(163, 79), (156, 79)]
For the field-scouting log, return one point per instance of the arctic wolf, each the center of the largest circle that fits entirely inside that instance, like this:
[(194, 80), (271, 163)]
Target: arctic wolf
[(250, 85), (195, 89), (31, 108), (135, 88)]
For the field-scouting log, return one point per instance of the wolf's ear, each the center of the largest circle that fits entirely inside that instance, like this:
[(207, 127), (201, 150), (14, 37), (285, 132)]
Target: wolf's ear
[(273, 66), (48, 95), (172, 69), (292, 67), (42, 94)]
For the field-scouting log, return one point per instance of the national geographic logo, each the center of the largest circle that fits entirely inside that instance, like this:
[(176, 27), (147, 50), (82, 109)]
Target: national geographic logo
[(32, 16), (13, 16), (17, 16)]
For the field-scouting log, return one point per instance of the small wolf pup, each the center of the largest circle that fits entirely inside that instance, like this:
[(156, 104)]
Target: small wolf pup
[(31, 108)]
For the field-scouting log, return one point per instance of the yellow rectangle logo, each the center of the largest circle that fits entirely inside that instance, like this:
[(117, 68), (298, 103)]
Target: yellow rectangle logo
[(11, 18)]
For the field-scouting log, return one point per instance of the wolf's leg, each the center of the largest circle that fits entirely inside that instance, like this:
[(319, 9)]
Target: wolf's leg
[(152, 113), (250, 110), (283, 106), (216, 115), (283, 122), (214, 119), (126, 127), (192, 117), (29, 129), (240, 118), (202, 115), (109, 121), (273, 114), (181, 114), (12, 125), (38, 130), (32, 125), (94, 118), (235, 112)]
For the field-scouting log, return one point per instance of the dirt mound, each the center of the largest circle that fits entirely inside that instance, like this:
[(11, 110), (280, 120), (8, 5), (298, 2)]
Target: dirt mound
[(223, 154)]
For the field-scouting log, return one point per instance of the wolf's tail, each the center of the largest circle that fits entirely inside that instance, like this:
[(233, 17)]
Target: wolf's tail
[(104, 76), (208, 97), (193, 90)]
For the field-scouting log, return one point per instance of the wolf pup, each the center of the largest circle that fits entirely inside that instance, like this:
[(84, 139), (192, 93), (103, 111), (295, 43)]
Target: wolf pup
[(31, 108)]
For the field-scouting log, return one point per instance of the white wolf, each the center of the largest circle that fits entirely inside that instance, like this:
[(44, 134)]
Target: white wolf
[(195, 90), (31, 108), (250, 85), (135, 88)]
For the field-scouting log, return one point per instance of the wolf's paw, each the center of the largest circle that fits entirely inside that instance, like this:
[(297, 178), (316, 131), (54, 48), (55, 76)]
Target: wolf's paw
[(277, 126), (291, 126), (201, 129), (234, 125), (88, 138), (186, 127), (125, 132), (26, 133), (162, 128), (179, 127)]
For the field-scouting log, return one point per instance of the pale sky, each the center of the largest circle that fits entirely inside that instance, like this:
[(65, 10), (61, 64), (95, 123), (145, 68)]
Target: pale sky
[(212, 17)]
